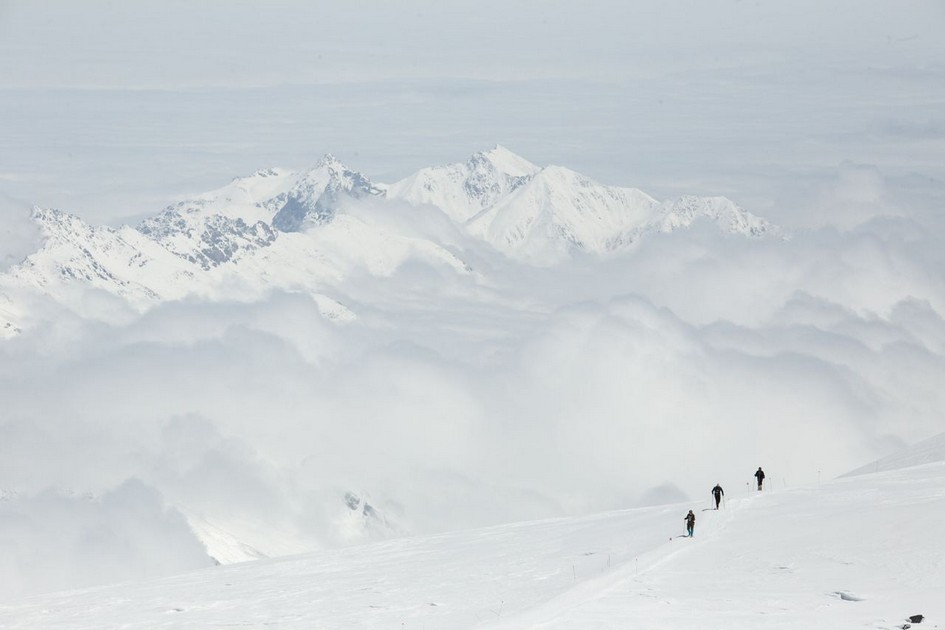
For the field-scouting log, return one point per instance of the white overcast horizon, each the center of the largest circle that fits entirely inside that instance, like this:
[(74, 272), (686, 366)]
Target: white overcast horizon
[(111, 110)]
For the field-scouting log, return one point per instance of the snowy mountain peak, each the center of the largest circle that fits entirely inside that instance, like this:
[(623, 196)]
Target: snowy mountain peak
[(504, 161), (315, 197), (330, 161), (52, 219), (464, 189), (558, 211), (246, 215), (539, 216)]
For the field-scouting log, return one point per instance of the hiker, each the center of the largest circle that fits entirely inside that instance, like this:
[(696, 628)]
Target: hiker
[(690, 522), (718, 493), (760, 476)]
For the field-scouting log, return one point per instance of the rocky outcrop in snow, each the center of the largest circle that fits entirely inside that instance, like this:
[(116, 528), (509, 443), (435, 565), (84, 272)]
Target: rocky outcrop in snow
[(246, 215), (315, 197)]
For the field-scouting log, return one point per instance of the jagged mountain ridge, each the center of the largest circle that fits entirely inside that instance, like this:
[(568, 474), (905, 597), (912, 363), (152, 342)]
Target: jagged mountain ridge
[(543, 214), (248, 213), (288, 229)]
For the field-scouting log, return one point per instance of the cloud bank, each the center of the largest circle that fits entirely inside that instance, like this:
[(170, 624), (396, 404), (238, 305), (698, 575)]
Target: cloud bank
[(456, 400), (19, 236), (52, 541)]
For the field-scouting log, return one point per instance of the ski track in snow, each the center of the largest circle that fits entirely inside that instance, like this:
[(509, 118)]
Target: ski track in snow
[(859, 552)]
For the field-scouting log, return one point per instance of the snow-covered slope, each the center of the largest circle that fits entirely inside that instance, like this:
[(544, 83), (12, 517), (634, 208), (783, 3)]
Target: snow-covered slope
[(559, 210), (925, 452), (859, 552), (124, 262)]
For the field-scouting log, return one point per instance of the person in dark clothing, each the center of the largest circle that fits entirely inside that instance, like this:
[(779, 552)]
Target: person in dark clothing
[(760, 476), (690, 522), (718, 493)]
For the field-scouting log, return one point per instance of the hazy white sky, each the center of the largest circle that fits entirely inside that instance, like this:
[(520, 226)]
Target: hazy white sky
[(112, 109), (174, 44)]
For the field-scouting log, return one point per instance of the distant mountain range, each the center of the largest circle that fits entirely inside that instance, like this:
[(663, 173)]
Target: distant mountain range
[(296, 231), (542, 214)]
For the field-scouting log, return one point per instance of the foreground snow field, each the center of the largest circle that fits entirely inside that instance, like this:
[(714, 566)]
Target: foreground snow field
[(859, 552)]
